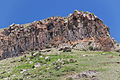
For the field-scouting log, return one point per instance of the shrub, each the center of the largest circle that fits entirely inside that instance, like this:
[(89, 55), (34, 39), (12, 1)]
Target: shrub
[(91, 48)]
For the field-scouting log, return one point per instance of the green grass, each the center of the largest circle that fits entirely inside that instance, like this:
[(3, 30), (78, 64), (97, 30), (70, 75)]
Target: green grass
[(60, 66)]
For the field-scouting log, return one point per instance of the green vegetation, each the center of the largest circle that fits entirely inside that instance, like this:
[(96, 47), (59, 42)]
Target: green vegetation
[(54, 66), (91, 48), (92, 14)]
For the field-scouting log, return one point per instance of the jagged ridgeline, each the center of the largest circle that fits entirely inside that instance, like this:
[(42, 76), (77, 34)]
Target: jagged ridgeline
[(80, 30)]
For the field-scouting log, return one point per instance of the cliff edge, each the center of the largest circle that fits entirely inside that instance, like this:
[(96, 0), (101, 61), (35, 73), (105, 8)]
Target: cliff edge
[(80, 30)]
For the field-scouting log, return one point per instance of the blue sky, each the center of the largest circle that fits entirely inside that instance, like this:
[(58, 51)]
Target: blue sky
[(26, 11)]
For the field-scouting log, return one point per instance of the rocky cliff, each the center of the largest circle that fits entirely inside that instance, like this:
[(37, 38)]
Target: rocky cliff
[(79, 30)]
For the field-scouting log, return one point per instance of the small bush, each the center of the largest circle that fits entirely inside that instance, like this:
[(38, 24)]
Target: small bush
[(91, 48)]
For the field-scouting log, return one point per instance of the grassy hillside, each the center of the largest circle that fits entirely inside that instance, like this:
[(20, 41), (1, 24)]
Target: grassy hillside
[(59, 65)]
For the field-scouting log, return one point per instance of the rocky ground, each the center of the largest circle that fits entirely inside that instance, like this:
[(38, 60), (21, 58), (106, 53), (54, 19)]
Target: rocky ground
[(54, 64)]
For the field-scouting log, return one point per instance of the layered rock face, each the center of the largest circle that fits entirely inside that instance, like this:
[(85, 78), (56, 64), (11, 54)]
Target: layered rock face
[(79, 30)]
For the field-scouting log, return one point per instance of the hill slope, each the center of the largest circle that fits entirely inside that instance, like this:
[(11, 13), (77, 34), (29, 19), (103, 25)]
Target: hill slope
[(59, 65)]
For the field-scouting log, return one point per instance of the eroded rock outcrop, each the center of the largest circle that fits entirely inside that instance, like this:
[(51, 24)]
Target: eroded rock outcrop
[(79, 30)]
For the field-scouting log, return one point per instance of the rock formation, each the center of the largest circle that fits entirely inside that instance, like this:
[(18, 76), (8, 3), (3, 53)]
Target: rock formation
[(79, 30)]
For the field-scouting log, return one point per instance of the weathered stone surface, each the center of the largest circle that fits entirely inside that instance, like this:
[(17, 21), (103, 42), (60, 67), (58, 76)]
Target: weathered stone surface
[(78, 28), (90, 75)]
